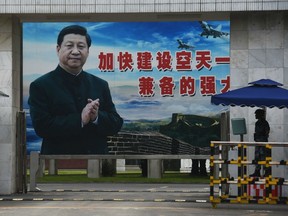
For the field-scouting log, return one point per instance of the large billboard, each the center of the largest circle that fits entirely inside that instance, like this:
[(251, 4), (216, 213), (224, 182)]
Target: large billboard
[(161, 75)]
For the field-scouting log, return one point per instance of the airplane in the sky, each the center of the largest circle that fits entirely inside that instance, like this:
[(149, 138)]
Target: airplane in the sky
[(208, 30), (183, 45)]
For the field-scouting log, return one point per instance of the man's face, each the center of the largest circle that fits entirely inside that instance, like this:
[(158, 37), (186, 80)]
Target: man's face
[(258, 115), (73, 52)]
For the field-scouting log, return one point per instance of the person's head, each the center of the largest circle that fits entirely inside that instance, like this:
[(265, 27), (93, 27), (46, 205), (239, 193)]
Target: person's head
[(259, 113), (73, 44)]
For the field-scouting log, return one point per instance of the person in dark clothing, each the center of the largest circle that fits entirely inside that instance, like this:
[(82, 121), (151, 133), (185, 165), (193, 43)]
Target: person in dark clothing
[(261, 134), (71, 109)]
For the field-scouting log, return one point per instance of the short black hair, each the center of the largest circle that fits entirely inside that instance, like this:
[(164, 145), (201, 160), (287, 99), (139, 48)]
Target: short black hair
[(73, 29), (260, 112)]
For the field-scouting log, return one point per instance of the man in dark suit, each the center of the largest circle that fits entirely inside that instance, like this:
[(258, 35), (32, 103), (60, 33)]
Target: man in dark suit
[(71, 109)]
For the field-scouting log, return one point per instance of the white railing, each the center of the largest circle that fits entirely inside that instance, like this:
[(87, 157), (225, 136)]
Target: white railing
[(154, 163)]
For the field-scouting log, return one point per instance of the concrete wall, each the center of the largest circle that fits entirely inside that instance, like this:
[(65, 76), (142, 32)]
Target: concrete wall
[(10, 75), (259, 49)]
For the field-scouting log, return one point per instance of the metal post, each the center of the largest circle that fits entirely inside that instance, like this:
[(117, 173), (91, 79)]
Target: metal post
[(21, 158)]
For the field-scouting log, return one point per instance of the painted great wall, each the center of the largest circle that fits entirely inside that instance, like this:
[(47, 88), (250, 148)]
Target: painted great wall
[(150, 143)]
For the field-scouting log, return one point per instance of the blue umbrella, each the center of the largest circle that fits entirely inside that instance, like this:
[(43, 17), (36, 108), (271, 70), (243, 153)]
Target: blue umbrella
[(261, 93)]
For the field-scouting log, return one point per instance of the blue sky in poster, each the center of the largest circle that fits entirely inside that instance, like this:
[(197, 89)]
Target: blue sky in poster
[(39, 57)]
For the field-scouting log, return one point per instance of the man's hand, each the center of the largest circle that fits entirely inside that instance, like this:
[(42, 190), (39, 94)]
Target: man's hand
[(95, 107), (90, 111)]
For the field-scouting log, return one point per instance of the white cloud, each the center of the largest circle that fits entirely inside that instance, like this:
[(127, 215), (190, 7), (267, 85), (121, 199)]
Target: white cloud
[(39, 57), (176, 108)]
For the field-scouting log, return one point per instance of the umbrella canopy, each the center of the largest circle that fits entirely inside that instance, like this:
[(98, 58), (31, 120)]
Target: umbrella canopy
[(261, 93)]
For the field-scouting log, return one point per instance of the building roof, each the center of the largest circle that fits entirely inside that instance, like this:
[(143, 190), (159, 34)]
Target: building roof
[(137, 6)]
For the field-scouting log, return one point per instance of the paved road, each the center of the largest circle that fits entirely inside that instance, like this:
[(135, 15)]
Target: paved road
[(126, 199)]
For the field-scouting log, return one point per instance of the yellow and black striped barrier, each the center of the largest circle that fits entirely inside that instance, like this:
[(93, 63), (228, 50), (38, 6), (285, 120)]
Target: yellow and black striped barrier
[(257, 190)]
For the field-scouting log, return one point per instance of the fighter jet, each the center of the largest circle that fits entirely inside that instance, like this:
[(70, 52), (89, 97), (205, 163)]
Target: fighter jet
[(208, 30), (183, 45)]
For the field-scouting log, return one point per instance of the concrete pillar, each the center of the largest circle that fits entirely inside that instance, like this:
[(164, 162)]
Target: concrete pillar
[(93, 169), (155, 168), (186, 165), (41, 171), (10, 50), (34, 169), (53, 167), (120, 165)]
